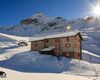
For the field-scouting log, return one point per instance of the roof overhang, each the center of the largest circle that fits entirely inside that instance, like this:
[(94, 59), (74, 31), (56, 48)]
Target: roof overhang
[(56, 35)]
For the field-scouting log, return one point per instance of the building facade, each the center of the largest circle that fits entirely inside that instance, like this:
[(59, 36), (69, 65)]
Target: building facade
[(67, 45)]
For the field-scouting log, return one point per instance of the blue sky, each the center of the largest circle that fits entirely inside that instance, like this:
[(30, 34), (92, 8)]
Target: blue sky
[(12, 11)]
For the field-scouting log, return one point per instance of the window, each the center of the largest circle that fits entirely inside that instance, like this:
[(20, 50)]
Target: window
[(77, 55), (57, 40), (68, 54), (76, 46), (67, 38), (67, 45)]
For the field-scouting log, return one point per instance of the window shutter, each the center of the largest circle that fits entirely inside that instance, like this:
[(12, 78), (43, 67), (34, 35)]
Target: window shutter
[(67, 38), (67, 45), (76, 46), (78, 54), (57, 46)]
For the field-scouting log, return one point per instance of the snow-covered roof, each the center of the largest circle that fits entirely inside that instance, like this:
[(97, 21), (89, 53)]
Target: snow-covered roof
[(48, 49), (56, 35)]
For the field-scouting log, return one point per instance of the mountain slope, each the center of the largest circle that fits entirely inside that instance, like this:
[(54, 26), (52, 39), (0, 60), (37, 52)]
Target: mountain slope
[(22, 61), (36, 24), (41, 24)]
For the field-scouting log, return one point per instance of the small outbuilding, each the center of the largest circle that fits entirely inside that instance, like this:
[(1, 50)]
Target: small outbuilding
[(67, 44)]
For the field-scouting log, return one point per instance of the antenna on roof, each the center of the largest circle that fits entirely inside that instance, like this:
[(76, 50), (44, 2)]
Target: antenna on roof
[(69, 28)]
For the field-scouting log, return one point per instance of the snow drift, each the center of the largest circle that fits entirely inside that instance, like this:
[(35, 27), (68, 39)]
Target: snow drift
[(34, 62)]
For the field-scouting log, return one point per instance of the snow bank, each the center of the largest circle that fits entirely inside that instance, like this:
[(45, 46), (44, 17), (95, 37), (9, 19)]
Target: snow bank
[(14, 37), (15, 75), (34, 62)]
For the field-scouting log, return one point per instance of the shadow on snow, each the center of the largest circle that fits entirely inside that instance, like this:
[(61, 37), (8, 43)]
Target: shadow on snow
[(5, 49), (34, 62)]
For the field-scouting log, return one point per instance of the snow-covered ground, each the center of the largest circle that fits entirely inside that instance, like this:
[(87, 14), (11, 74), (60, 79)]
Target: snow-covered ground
[(15, 75), (91, 57), (21, 63)]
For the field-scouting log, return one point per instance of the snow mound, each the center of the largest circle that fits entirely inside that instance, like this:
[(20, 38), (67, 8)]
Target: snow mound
[(36, 24), (34, 62)]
